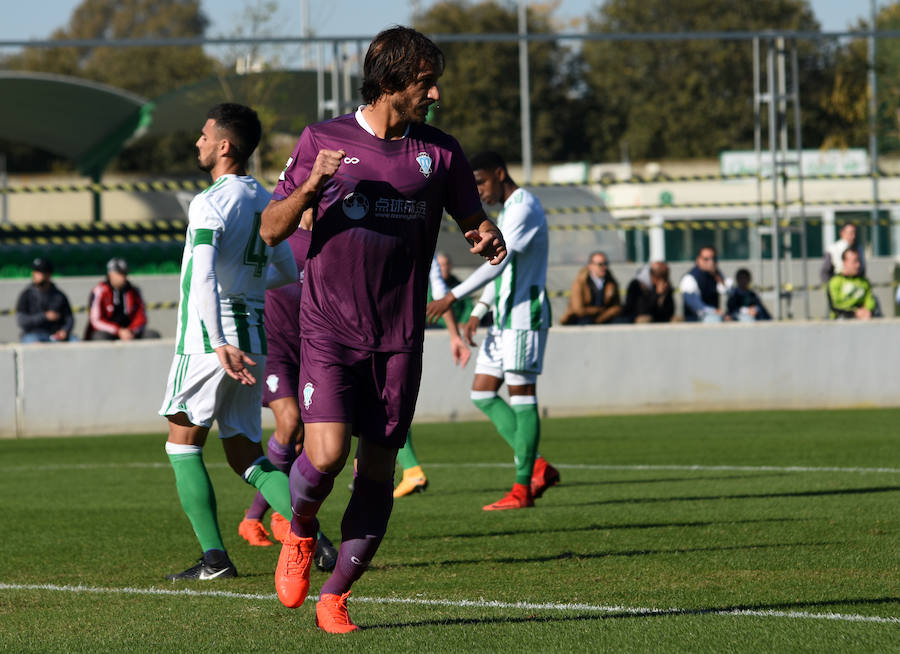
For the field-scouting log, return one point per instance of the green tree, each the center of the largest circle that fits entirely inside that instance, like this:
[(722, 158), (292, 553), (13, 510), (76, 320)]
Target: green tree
[(480, 91), (146, 71), (687, 98), (848, 100)]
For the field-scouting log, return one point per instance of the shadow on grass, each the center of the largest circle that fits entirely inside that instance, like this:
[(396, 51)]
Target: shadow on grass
[(618, 482), (663, 480), (740, 496), (604, 527), (562, 556), (613, 614)]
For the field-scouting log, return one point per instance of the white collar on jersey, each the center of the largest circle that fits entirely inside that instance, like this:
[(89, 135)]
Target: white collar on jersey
[(362, 122)]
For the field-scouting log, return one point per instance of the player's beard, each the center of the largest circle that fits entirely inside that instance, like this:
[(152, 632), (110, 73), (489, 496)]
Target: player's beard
[(410, 111), (207, 164)]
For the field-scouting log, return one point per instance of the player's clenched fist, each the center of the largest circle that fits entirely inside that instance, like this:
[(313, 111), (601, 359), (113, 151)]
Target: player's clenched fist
[(326, 165)]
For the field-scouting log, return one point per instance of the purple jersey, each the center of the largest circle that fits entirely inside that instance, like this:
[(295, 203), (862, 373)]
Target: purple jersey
[(282, 310), (376, 226)]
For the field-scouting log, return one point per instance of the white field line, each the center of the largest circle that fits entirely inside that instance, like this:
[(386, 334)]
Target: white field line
[(474, 604), (563, 466)]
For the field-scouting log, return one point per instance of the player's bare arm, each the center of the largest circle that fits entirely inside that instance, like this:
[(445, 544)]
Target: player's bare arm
[(485, 237), (437, 308), (469, 330), (458, 349), (281, 217)]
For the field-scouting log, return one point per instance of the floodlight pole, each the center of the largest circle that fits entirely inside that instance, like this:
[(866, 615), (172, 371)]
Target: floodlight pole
[(873, 136), (524, 91), (96, 197), (4, 188), (773, 148)]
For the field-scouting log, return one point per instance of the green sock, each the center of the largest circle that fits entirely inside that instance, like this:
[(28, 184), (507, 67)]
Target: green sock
[(407, 454), (528, 433), (272, 483), (500, 413), (197, 498)]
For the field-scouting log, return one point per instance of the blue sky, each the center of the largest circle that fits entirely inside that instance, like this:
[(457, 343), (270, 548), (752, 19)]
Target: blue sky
[(21, 20)]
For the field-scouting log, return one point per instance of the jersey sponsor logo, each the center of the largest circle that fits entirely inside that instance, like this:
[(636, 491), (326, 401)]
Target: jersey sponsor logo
[(308, 391), (286, 166), (401, 209), (355, 206), (272, 383), (351, 160), (425, 161)]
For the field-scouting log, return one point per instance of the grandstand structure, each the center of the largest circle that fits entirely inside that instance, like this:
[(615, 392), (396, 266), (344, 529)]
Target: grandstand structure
[(777, 225)]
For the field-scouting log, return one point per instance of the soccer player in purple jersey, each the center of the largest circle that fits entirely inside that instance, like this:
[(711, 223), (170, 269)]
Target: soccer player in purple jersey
[(378, 181)]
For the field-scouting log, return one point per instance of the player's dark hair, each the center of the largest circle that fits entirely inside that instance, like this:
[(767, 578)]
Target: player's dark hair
[(488, 160), (394, 60), (706, 247), (742, 273), (242, 126)]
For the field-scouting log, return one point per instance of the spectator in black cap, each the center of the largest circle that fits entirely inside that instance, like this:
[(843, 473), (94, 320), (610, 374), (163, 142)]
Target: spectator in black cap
[(43, 312), (116, 309)]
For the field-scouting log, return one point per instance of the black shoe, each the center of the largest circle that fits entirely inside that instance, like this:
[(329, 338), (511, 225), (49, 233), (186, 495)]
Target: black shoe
[(207, 569), (326, 555)]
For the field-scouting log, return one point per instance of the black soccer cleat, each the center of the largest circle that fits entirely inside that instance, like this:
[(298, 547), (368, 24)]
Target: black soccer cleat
[(326, 554), (207, 569)]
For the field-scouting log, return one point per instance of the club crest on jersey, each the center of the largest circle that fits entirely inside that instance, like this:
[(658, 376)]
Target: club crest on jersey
[(308, 391), (355, 206), (425, 161)]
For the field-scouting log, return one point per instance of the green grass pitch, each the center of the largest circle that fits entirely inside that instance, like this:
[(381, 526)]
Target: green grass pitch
[(727, 532)]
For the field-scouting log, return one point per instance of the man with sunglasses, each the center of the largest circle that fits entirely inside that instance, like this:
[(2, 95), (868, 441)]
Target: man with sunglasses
[(594, 297), (702, 289)]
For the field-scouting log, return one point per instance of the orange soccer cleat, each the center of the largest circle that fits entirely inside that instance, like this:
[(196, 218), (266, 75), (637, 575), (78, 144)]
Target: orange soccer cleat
[(414, 481), (543, 477), (280, 526), (292, 572), (254, 532), (518, 498), (332, 616)]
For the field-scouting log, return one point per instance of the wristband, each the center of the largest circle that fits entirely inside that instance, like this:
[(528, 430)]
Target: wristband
[(480, 310)]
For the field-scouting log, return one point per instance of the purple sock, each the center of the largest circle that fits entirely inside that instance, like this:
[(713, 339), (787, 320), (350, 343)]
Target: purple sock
[(309, 488), (259, 507), (281, 456), (364, 525)]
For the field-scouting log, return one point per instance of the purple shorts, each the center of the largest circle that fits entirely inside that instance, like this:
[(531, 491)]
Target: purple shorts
[(376, 392), (282, 377)]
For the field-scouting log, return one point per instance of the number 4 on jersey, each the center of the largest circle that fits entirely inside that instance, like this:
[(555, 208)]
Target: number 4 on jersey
[(255, 253)]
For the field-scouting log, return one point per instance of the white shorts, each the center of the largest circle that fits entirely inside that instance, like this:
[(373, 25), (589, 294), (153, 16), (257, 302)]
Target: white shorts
[(513, 355), (199, 388)]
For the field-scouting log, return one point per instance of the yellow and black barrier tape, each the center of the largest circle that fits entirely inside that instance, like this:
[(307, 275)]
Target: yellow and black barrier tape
[(150, 306), (149, 186), (170, 185), (612, 180), (145, 231)]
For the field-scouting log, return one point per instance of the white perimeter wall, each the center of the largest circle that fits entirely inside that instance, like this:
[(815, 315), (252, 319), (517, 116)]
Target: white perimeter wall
[(96, 388)]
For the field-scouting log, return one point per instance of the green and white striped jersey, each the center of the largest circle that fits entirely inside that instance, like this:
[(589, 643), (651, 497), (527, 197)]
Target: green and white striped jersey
[(517, 294), (225, 216)]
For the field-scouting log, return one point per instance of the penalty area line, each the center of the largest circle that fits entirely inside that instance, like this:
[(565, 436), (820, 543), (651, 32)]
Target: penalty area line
[(474, 604)]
